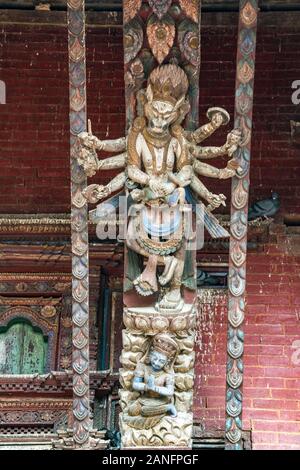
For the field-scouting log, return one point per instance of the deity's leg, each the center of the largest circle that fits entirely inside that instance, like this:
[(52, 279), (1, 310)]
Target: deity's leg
[(173, 298)]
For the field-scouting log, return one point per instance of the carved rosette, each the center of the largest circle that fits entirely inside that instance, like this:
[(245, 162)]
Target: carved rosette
[(142, 324), (239, 222), (80, 306)]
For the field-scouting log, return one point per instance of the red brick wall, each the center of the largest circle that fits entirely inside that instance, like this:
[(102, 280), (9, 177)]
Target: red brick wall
[(34, 131), (272, 348), (34, 122)]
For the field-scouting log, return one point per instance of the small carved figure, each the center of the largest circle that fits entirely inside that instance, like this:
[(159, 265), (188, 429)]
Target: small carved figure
[(154, 381)]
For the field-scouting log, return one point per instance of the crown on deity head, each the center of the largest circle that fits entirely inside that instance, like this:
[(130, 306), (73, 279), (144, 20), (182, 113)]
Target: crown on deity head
[(164, 344), (168, 83)]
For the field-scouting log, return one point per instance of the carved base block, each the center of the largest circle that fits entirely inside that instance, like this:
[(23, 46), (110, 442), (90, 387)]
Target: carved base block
[(169, 433), (149, 321), (147, 413)]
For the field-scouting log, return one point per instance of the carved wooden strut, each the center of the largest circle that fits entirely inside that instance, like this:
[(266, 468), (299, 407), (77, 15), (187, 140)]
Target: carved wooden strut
[(239, 222), (161, 164)]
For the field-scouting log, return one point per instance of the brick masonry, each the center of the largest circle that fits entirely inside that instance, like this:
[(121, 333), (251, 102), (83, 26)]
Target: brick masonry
[(34, 177), (272, 348), (34, 122)]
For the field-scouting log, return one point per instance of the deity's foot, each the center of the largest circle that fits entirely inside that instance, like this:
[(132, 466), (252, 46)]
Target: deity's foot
[(172, 410), (146, 283), (171, 301), (170, 265)]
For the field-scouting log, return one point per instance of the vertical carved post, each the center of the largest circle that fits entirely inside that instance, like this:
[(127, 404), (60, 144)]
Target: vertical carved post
[(79, 224), (239, 216), (157, 327)]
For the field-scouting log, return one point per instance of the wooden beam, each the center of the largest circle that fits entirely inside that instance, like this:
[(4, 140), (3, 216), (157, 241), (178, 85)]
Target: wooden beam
[(116, 5)]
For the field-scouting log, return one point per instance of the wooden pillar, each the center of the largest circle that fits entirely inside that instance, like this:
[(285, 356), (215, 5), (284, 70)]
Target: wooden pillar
[(79, 224), (238, 227)]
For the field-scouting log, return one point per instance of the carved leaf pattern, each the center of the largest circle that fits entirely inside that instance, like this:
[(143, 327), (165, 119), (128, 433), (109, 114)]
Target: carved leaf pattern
[(161, 35), (191, 9), (133, 40), (249, 15), (160, 7), (130, 9)]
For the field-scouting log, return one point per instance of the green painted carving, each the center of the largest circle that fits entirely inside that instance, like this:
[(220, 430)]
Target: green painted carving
[(23, 348)]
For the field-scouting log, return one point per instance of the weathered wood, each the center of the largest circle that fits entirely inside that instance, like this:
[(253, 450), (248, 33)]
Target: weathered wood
[(239, 223), (79, 221)]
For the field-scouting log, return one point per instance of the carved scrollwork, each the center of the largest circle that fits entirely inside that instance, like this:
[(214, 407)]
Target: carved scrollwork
[(156, 323), (238, 253), (240, 194), (184, 382), (236, 311), (234, 373), (160, 7), (237, 278), (191, 9), (188, 37), (234, 403), (235, 345), (249, 15), (133, 40), (130, 9), (239, 224)]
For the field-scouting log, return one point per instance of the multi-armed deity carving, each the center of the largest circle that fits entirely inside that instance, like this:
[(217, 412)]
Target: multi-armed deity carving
[(161, 168)]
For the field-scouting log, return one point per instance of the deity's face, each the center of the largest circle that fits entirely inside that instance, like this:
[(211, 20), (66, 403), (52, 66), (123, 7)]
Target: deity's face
[(158, 360), (160, 115)]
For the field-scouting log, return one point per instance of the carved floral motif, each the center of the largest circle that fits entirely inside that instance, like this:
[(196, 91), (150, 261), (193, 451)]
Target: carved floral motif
[(130, 9), (160, 7), (249, 15), (133, 40), (188, 37), (191, 9)]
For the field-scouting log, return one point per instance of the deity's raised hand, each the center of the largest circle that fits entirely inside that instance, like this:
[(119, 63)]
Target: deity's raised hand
[(89, 141)]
